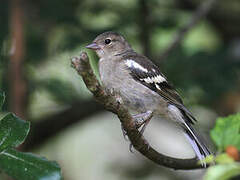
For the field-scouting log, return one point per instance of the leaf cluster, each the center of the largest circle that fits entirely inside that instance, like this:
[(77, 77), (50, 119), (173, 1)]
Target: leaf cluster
[(20, 165), (225, 134)]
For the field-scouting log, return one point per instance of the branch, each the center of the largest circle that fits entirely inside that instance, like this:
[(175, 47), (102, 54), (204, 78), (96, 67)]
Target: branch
[(201, 12), (113, 103), (45, 128)]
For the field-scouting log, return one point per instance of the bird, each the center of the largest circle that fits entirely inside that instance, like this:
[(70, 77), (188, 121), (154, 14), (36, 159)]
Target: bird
[(143, 88)]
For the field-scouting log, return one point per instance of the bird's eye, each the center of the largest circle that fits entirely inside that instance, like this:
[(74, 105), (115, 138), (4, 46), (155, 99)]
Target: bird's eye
[(107, 41)]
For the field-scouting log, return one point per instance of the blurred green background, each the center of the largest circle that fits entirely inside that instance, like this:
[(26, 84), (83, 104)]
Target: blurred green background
[(37, 39)]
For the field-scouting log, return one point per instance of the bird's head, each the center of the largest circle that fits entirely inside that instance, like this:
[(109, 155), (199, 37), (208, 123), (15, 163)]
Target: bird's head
[(109, 44)]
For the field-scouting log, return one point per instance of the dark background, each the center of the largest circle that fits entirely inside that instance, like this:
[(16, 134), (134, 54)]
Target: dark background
[(37, 39)]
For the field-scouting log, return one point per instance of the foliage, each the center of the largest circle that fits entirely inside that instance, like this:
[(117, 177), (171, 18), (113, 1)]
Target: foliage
[(222, 171), (226, 135), (2, 99), (19, 165), (227, 132), (76, 23), (200, 66), (205, 67)]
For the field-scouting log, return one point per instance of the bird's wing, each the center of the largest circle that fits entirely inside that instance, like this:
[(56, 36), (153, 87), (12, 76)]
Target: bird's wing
[(147, 73)]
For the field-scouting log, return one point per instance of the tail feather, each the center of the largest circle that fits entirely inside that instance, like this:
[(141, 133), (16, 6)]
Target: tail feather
[(197, 143), (186, 120)]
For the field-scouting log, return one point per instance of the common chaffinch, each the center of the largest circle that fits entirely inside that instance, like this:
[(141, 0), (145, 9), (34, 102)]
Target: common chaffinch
[(143, 88)]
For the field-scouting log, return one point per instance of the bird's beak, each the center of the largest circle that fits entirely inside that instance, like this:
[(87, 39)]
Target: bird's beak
[(93, 46)]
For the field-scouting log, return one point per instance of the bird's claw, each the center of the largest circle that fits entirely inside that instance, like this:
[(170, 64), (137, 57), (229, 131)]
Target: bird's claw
[(145, 142), (131, 147), (124, 133), (140, 120)]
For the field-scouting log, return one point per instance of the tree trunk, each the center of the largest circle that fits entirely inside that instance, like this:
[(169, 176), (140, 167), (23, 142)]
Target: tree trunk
[(17, 83)]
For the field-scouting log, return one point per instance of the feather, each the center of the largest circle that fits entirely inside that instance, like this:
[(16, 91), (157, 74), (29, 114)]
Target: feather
[(196, 141), (147, 73)]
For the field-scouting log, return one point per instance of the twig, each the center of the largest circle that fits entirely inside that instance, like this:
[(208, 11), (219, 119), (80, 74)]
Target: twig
[(201, 12), (113, 103)]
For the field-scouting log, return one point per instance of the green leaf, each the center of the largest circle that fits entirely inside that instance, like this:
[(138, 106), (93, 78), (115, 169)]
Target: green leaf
[(13, 131), (2, 99), (27, 166), (224, 158), (222, 171), (227, 132)]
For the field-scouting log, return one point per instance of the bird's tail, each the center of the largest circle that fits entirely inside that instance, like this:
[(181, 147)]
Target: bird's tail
[(196, 142)]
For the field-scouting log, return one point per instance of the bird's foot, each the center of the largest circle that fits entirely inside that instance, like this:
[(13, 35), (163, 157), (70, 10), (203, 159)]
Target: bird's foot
[(142, 120)]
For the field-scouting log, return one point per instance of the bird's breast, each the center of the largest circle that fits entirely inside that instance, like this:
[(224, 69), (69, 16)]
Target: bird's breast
[(116, 78)]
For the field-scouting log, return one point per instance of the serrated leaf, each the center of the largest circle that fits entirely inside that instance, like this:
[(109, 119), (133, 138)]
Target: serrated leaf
[(222, 171), (13, 131), (227, 132), (2, 99), (27, 166)]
